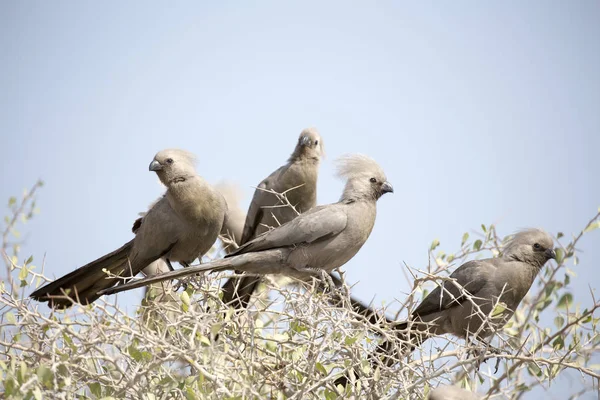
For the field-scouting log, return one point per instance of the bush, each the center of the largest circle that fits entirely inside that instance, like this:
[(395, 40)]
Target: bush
[(293, 346)]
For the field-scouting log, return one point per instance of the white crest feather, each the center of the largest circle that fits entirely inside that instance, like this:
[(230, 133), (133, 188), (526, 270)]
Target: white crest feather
[(351, 166)]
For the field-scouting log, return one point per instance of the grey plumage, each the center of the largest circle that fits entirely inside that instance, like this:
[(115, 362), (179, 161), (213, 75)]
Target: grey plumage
[(447, 392), (298, 180), (321, 239), (181, 226), (234, 225), (462, 310)]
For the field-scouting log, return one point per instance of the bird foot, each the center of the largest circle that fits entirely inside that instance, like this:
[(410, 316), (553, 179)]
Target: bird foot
[(485, 352)]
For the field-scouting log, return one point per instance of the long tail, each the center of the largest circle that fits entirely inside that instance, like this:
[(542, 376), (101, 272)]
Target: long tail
[(82, 285), (264, 262), (389, 352), (238, 292)]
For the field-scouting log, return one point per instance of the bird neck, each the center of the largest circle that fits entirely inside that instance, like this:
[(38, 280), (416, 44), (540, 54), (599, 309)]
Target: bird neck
[(191, 197), (299, 155)]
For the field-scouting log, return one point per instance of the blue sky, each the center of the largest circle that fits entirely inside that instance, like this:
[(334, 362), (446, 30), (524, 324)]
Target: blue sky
[(479, 112)]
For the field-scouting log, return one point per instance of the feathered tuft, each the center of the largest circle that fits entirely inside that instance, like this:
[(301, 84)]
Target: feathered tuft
[(351, 166)]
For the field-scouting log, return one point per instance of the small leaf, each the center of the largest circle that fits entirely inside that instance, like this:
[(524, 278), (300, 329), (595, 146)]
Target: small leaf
[(37, 393), (483, 228), (464, 238), (95, 389), (477, 245), (560, 255), (592, 226), (349, 341), (565, 301), (29, 260), (559, 321), (559, 235), (499, 309), (23, 274), (185, 298), (434, 244), (12, 201), (321, 368), (10, 317)]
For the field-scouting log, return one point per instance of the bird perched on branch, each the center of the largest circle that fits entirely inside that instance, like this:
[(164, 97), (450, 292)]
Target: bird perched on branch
[(320, 240), (297, 179), (181, 226), (477, 300)]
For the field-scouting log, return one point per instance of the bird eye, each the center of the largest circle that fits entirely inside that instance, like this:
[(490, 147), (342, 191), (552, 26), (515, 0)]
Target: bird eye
[(316, 142), (169, 161), (537, 246), (373, 180)]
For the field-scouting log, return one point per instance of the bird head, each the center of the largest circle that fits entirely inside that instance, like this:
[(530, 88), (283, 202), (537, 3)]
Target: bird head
[(173, 165), (310, 145), (365, 178), (533, 246)]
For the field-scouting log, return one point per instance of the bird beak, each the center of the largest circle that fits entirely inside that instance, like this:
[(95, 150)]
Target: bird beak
[(155, 166), (387, 188), (550, 253), (305, 141)]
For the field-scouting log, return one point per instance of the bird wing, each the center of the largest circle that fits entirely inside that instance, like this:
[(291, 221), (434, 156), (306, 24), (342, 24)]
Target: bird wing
[(472, 276), (317, 223), (260, 199)]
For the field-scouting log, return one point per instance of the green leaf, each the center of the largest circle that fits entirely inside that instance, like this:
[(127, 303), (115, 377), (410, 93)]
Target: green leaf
[(560, 255), (559, 235), (185, 298), (483, 228), (464, 238), (10, 317), (37, 393), (565, 301), (434, 244), (559, 321), (534, 369), (477, 245), (298, 327), (350, 340), (23, 273), (29, 260), (321, 369), (330, 395), (95, 389), (499, 309), (592, 226), (215, 329), (45, 376), (12, 201), (558, 343)]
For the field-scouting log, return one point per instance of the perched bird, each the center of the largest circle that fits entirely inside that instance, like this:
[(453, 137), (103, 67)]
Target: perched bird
[(479, 302), (318, 241), (297, 179), (181, 226), (447, 392)]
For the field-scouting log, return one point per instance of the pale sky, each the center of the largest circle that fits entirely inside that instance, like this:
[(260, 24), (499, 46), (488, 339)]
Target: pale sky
[(479, 112)]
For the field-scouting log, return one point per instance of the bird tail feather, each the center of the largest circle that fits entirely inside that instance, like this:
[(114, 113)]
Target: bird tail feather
[(82, 285)]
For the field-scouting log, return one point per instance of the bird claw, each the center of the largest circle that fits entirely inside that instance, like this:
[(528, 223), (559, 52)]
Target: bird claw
[(484, 353)]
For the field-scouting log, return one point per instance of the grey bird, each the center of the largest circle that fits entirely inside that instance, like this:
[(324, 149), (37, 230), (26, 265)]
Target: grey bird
[(181, 226), (448, 392), (318, 241), (464, 308), (483, 297), (231, 230), (298, 180)]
